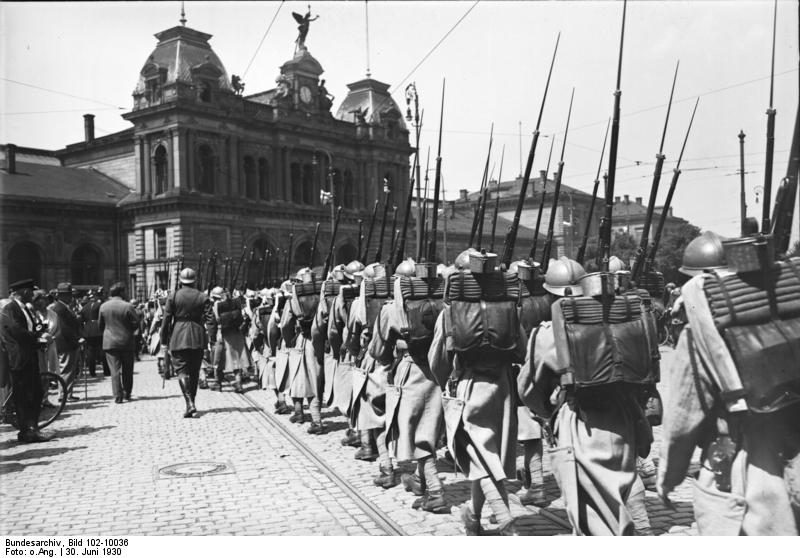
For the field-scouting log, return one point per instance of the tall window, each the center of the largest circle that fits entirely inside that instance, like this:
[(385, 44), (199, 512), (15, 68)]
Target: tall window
[(263, 179), (206, 169), (86, 266), (160, 241), (308, 185), (297, 187), (349, 190), (249, 177), (153, 90), (161, 169)]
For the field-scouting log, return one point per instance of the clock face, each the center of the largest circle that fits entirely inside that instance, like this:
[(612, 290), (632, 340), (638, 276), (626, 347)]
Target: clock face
[(305, 94)]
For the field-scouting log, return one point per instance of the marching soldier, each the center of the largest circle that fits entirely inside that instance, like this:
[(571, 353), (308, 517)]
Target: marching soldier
[(276, 373), (414, 414), (185, 315), (476, 340), (235, 357), (735, 389)]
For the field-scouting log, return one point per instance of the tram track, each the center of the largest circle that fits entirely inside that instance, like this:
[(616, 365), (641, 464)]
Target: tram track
[(376, 514)]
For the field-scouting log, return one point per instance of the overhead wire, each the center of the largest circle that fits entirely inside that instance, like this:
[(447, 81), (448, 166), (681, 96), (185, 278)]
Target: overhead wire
[(61, 93), (262, 40)]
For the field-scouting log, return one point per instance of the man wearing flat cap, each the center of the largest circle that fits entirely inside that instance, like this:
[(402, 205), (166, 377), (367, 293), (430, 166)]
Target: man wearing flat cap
[(21, 342), (68, 339)]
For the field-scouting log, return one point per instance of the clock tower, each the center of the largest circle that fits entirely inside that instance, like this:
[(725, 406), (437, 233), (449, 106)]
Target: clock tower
[(300, 76)]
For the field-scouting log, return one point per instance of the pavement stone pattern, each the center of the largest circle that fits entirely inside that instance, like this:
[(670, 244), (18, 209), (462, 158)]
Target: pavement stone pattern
[(99, 476)]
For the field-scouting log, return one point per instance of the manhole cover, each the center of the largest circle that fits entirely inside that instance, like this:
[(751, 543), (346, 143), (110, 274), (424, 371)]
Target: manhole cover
[(195, 469)]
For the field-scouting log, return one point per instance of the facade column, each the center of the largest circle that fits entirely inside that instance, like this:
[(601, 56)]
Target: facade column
[(147, 160), (137, 161), (287, 176), (189, 160), (176, 180), (236, 182)]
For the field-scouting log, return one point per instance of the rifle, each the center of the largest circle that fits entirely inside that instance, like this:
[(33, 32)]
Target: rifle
[(386, 192), (549, 243), (642, 249), (424, 234), (765, 223), (784, 199), (605, 234), (665, 211), (235, 279), (328, 258), (482, 206), (246, 282), (511, 235), (477, 222), (264, 269), (401, 247), (393, 233), (497, 197), (582, 250), (360, 236), (369, 233), (437, 183), (178, 269), (314, 247), (212, 266), (288, 269), (532, 253)]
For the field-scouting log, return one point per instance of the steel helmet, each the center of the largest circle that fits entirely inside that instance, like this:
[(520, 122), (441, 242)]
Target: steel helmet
[(406, 267), (286, 286), (352, 268), (337, 273), (440, 269), (703, 253), (615, 264), (561, 274), (462, 261), (187, 276), (217, 292)]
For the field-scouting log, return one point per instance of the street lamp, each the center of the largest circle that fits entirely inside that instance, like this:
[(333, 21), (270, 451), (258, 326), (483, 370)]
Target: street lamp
[(415, 120)]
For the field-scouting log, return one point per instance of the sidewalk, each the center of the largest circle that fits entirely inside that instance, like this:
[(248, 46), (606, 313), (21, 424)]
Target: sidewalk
[(116, 470)]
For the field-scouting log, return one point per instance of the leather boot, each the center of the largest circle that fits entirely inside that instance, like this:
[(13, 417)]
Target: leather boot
[(434, 502), (366, 452), (414, 484), (472, 523), (387, 478), (237, 382), (316, 428), (281, 408), (187, 397), (351, 438)]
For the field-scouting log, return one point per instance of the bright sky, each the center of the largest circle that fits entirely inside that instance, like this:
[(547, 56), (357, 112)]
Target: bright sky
[(495, 61)]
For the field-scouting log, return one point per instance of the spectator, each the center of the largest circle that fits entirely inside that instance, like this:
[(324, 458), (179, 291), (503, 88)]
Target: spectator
[(68, 339), (89, 315), (118, 321), (21, 342)]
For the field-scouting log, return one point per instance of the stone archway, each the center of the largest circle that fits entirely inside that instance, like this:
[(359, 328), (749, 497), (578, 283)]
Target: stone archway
[(346, 253), (86, 266)]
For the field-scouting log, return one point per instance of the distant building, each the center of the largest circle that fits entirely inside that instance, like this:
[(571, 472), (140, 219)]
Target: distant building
[(202, 168)]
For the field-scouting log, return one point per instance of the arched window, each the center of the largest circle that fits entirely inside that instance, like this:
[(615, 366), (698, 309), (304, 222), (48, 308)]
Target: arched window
[(86, 266), (205, 169), (249, 178), (302, 255), (345, 254), (25, 262), (308, 185), (349, 190), (161, 169), (297, 188), (263, 179)]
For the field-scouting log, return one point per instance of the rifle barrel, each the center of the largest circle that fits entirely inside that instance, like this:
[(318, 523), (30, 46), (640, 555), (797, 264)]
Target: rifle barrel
[(497, 196), (532, 254), (582, 250), (437, 186)]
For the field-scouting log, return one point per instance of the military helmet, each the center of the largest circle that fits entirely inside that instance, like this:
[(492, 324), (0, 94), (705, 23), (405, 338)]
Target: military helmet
[(217, 292), (561, 274), (187, 276), (406, 267), (462, 261), (704, 253), (352, 268), (615, 264), (286, 286), (337, 273), (440, 269)]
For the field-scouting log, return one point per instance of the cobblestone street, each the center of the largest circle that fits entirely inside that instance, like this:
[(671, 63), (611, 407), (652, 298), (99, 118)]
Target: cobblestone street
[(108, 471)]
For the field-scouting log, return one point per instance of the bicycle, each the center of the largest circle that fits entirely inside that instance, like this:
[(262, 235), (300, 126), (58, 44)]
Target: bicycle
[(52, 385)]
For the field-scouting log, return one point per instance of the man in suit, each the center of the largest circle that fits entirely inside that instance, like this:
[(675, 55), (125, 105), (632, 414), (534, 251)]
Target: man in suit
[(21, 341), (68, 340), (185, 314), (89, 315), (118, 321)]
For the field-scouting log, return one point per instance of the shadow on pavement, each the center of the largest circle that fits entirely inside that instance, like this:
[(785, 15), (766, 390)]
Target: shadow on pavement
[(70, 432), (39, 452), (136, 398), (14, 467), (200, 413)]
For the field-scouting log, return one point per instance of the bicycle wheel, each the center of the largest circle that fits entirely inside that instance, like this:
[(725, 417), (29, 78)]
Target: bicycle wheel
[(54, 398)]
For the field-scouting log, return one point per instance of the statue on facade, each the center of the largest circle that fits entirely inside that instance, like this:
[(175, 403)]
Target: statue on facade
[(325, 99), (237, 84), (360, 115), (302, 28), (284, 88)]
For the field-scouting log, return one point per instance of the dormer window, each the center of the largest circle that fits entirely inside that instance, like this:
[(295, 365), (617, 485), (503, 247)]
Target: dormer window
[(204, 91)]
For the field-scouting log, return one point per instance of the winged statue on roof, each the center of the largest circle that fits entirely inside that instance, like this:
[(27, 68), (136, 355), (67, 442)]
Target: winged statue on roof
[(303, 22)]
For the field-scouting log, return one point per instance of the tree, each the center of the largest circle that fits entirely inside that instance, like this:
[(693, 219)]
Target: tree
[(670, 253)]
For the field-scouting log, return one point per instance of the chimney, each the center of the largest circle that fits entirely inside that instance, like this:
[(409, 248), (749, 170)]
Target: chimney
[(88, 127), (452, 210), (616, 199), (639, 201), (462, 195), (11, 158), (543, 178), (669, 213), (627, 199)]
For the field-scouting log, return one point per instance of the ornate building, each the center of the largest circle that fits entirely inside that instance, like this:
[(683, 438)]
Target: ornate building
[(202, 168)]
